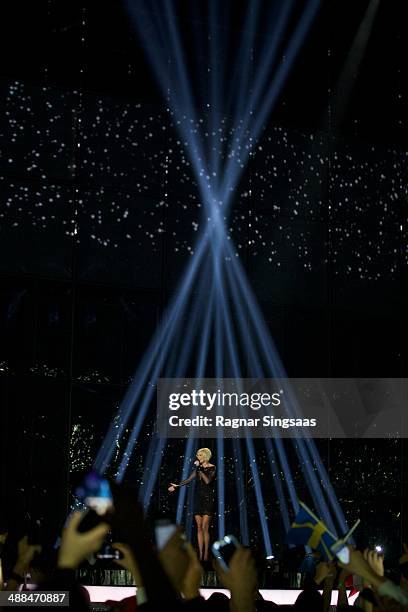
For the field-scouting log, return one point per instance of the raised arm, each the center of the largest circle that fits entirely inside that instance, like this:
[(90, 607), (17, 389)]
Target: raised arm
[(187, 480)]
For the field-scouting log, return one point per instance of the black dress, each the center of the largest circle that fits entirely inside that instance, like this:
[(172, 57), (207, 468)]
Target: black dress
[(204, 495)]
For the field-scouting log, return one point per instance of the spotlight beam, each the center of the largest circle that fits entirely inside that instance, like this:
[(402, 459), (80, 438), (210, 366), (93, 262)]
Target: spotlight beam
[(219, 371), (260, 345), (154, 469), (180, 96), (232, 352), (262, 71), (278, 484), (219, 361), (149, 367), (160, 359), (255, 371), (239, 471), (283, 460), (176, 369), (242, 73), (215, 87), (341, 520), (200, 372), (276, 368), (261, 113), (204, 186)]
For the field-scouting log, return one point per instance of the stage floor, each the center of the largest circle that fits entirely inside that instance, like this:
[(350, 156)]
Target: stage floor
[(101, 594)]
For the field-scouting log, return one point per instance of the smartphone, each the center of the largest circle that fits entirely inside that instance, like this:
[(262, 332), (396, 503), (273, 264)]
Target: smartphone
[(108, 553), (224, 549), (163, 530), (96, 494)]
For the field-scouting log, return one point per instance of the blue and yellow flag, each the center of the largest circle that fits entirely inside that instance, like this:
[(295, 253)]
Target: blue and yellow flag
[(308, 530)]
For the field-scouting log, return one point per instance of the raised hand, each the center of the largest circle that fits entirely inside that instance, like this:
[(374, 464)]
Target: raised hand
[(76, 546), (375, 561), (172, 487), (25, 554), (175, 559), (241, 579), (192, 577), (358, 565), (324, 570), (128, 562)]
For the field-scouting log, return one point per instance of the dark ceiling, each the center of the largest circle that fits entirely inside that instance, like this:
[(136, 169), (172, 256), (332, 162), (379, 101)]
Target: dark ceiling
[(92, 45)]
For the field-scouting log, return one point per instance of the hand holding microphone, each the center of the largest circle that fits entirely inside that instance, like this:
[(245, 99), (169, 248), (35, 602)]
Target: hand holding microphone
[(198, 465)]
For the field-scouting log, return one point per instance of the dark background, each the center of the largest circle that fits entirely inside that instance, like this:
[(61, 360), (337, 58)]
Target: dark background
[(86, 273)]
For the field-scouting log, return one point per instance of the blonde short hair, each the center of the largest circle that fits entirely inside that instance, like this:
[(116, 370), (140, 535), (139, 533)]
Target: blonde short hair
[(206, 451)]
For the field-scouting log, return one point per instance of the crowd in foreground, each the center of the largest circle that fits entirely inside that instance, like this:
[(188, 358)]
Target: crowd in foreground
[(169, 579)]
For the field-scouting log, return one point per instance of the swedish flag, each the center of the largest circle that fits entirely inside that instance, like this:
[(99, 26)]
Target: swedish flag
[(308, 530)]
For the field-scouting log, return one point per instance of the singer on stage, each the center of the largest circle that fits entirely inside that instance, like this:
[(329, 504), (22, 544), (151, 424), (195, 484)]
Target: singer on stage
[(204, 498)]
